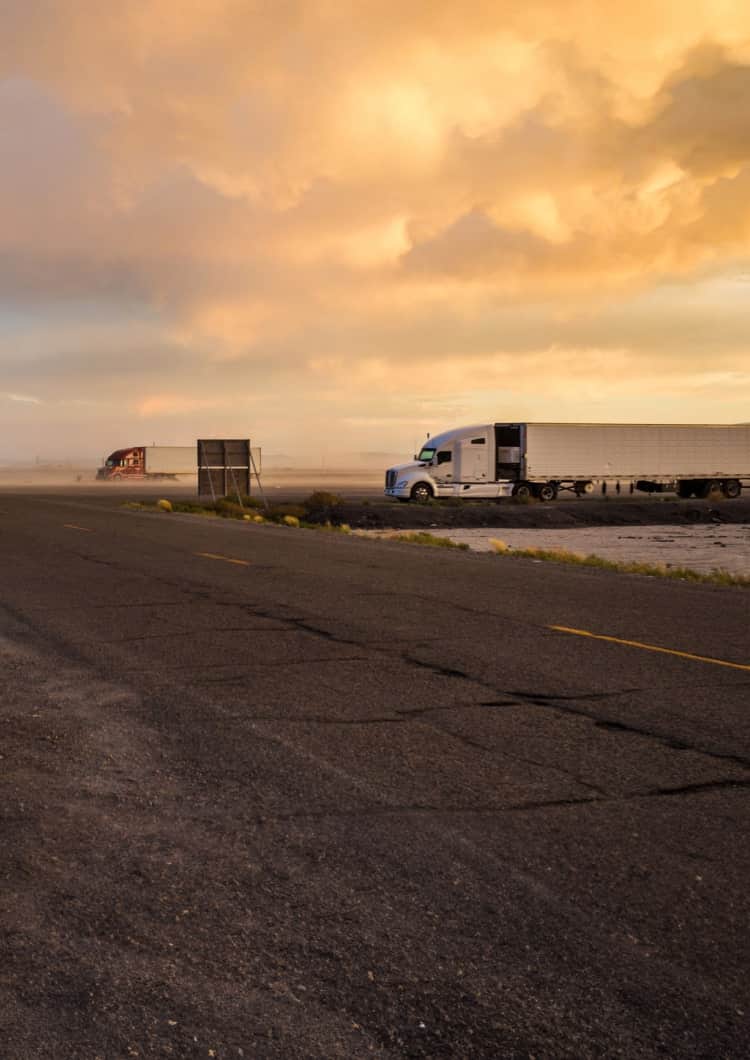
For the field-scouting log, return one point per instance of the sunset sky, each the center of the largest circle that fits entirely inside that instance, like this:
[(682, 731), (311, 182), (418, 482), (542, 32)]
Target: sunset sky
[(333, 227)]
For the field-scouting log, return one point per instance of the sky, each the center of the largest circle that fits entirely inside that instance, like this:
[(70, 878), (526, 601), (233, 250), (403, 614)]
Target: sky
[(334, 227)]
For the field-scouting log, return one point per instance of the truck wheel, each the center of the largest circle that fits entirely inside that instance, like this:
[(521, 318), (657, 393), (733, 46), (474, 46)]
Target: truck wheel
[(421, 493), (731, 488), (706, 487), (524, 490), (582, 488), (547, 492)]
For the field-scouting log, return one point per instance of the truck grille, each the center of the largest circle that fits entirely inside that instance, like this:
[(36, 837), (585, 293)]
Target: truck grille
[(390, 479)]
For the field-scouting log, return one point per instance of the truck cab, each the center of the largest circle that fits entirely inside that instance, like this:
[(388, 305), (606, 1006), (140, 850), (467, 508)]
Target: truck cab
[(123, 463), (457, 463)]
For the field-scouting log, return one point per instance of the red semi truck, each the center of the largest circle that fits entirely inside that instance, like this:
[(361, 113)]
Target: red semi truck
[(149, 462)]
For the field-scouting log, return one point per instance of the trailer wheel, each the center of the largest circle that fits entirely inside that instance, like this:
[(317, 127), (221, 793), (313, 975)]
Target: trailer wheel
[(706, 487), (421, 493), (547, 492), (685, 489), (524, 490), (731, 488)]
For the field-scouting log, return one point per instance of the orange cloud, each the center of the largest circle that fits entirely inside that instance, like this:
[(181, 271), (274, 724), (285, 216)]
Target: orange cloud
[(367, 208), (171, 405)]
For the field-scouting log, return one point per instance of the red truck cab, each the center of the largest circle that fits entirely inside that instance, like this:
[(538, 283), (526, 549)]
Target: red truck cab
[(123, 463)]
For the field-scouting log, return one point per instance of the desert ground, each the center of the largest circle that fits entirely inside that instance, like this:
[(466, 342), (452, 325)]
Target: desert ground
[(703, 548)]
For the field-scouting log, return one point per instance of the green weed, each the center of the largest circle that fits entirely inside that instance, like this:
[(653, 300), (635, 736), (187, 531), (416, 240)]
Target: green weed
[(322, 499), (422, 537), (247, 501), (193, 509)]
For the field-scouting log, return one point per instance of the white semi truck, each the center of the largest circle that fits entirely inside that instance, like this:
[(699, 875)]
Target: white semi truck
[(542, 459)]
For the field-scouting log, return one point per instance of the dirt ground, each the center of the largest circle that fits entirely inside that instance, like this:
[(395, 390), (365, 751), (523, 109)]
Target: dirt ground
[(558, 515)]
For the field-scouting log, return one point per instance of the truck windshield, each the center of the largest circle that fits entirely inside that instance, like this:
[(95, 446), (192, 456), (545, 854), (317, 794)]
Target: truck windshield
[(426, 455)]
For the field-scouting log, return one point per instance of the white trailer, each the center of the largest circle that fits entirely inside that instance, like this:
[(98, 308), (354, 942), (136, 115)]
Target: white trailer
[(542, 459), (169, 460)]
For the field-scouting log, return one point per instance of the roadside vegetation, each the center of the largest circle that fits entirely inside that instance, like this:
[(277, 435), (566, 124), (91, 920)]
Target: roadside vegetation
[(421, 537), (316, 512), (652, 570)]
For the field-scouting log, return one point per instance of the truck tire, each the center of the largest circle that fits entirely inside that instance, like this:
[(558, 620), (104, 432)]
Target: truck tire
[(547, 492), (421, 492), (523, 490), (706, 486), (731, 488), (582, 488)]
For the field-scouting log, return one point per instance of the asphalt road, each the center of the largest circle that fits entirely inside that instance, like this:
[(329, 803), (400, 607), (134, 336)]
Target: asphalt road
[(277, 793)]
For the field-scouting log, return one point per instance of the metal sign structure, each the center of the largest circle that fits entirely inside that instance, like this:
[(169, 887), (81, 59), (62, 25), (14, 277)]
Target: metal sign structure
[(227, 466)]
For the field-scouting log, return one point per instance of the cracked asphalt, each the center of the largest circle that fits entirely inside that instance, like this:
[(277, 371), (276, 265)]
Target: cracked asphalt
[(358, 798)]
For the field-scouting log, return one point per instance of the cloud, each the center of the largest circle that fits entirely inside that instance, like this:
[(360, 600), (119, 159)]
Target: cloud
[(171, 404), (209, 207), (560, 202), (24, 399)]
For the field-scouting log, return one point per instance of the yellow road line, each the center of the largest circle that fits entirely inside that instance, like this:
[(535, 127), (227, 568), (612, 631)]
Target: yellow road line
[(72, 526), (226, 559), (650, 647)]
